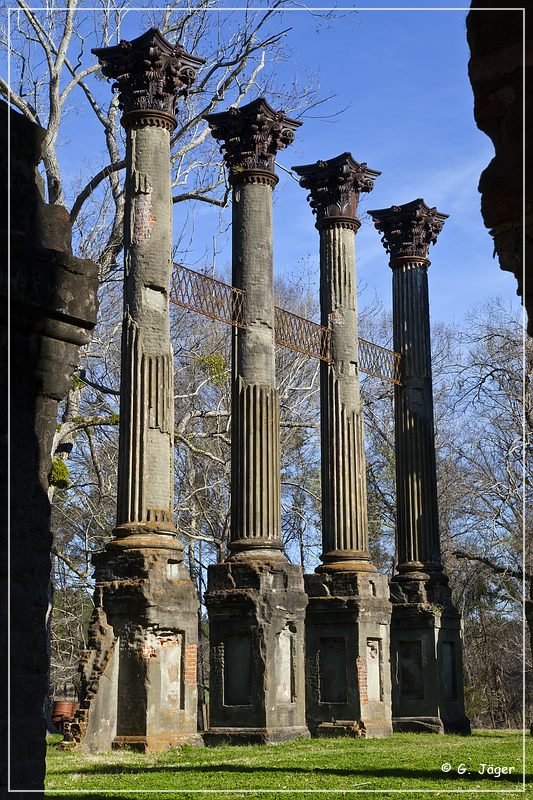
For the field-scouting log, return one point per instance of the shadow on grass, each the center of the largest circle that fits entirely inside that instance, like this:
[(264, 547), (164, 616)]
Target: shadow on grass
[(391, 772)]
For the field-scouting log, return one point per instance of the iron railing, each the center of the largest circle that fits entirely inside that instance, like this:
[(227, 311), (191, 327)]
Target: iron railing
[(217, 300), (206, 295), (302, 335)]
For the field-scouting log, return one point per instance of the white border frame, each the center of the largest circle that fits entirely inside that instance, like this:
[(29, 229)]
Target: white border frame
[(274, 791)]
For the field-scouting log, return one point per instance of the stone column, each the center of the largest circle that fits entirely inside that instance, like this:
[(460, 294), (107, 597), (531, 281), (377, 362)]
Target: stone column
[(144, 628), (407, 233), (251, 136), (426, 637), (256, 600), (149, 73), (348, 616), (334, 188)]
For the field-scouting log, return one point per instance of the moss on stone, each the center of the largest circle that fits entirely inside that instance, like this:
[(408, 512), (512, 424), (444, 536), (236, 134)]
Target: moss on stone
[(59, 474)]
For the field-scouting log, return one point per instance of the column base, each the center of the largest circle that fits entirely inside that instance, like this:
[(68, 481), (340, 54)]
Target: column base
[(417, 725), (146, 540), (420, 584), (345, 561), (248, 550), (427, 666), (348, 690), (157, 743), (243, 736), (256, 626), (139, 671)]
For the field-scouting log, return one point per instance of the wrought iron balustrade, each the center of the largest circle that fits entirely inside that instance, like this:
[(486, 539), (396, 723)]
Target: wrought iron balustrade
[(217, 300)]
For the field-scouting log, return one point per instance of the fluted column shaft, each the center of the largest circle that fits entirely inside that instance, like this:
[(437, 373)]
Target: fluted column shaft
[(344, 501), (251, 135), (148, 72), (334, 188), (145, 474), (407, 232), (416, 480), (255, 464)]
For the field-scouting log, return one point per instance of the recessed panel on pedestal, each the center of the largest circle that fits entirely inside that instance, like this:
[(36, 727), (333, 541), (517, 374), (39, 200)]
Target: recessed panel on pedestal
[(332, 669), (374, 670), (170, 657), (238, 669), (284, 662), (411, 678), (449, 671)]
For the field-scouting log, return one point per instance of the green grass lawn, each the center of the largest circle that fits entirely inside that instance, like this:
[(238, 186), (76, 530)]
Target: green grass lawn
[(402, 762)]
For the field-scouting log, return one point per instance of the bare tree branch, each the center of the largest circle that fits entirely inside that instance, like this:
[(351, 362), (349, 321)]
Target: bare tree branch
[(92, 185), (179, 198), (16, 100), (496, 568)]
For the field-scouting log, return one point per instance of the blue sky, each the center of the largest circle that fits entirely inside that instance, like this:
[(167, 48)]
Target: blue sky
[(402, 77)]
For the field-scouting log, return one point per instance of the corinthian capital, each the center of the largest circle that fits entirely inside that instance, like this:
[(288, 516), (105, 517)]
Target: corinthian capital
[(408, 230), (334, 185), (149, 73), (251, 136)]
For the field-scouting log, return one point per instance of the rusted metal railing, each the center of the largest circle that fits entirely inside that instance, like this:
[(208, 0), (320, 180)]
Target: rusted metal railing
[(206, 295), (379, 361), (302, 335), (220, 301)]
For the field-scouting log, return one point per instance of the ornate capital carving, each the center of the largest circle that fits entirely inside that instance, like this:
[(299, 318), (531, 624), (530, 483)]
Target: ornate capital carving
[(149, 73), (251, 136), (334, 186), (408, 230)]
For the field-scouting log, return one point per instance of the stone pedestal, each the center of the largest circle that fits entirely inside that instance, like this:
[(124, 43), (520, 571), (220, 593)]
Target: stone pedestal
[(139, 675), (256, 600), (347, 654), (348, 616), (427, 668), (426, 644), (256, 622)]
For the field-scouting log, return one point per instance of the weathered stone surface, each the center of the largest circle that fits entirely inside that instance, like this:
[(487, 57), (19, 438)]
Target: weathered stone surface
[(256, 633), (255, 465), (139, 675), (348, 682), (408, 231), (256, 600), (426, 640), (497, 72), (427, 669), (348, 616), (145, 475), (251, 135), (150, 72), (53, 310), (334, 187)]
